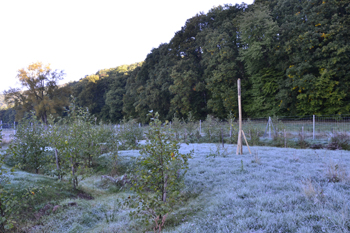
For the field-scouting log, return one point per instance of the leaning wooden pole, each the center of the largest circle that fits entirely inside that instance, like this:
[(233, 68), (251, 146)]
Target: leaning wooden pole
[(239, 142), (240, 131)]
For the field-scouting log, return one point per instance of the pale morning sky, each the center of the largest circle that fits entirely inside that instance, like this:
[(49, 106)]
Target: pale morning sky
[(82, 36)]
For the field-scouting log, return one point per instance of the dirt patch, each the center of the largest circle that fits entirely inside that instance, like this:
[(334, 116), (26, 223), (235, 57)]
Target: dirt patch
[(83, 195), (46, 210)]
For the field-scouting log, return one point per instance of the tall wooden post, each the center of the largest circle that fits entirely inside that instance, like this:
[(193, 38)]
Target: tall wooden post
[(239, 142), (240, 131), (313, 127)]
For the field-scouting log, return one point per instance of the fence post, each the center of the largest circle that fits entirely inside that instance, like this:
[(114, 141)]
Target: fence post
[(302, 131), (222, 138), (269, 127), (231, 128), (313, 127), (0, 125), (200, 127)]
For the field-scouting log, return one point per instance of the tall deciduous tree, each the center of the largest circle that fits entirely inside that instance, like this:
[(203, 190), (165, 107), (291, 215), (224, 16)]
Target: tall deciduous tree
[(41, 91), (222, 68), (190, 94)]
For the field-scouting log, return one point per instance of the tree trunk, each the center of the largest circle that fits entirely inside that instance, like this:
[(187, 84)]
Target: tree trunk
[(58, 164), (90, 159), (2, 212), (73, 174), (164, 188)]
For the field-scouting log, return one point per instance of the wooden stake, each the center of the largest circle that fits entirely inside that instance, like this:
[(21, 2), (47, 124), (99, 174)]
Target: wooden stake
[(222, 138), (239, 142), (246, 142), (240, 131)]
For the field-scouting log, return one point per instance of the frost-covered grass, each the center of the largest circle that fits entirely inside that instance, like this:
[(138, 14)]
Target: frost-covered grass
[(272, 190), (270, 196)]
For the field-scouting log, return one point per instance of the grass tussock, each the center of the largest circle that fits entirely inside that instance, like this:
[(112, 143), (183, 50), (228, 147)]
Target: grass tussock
[(256, 159), (339, 141), (312, 191), (336, 172)]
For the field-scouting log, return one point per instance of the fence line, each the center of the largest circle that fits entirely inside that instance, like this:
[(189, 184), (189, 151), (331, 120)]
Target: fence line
[(313, 127)]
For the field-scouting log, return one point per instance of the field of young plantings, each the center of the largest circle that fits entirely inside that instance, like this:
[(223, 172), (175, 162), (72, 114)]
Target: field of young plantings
[(76, 175)]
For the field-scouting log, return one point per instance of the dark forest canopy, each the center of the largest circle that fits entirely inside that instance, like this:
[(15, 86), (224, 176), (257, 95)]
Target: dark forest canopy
[(293, 58)]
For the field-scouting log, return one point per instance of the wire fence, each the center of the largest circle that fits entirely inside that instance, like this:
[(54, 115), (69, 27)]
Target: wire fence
[(312, 127)]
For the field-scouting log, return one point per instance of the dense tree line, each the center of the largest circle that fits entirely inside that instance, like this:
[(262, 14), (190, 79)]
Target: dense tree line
[(293, 58)]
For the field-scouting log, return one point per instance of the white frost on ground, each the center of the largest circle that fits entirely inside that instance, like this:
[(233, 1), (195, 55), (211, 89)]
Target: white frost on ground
[(272, 195)]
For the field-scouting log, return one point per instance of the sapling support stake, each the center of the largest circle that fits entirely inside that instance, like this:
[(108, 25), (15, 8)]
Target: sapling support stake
[(222, 137), (240, 131), (313, 127), (302, 132), (268, 126)]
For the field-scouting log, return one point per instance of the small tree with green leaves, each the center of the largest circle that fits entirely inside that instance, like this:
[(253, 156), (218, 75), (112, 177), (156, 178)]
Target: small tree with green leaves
[(176, 126), (190, 126), (211, 127), (5, 198), (253, 133), (232, 127), (129, 133), (28, 148), (158, 175), (57, 139), (77, 146)]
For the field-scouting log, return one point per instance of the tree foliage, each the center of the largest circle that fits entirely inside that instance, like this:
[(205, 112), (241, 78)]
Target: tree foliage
[(28, 148), (292, 57), (42, 93), (158, 175)]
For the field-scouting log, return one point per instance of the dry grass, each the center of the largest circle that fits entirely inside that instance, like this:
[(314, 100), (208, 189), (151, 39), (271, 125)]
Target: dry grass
[(256, 158), (294, 158), (312, 191), (336, 172)]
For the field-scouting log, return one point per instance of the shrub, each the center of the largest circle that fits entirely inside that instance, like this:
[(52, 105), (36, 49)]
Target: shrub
[(6, 199), (252, 133), (302, 143), (190, 129), (339, 141), (129, 133), (232, 128), (336, 172), (158, 175), (176, 126), (29, 147), (77, 143), (211, 128)]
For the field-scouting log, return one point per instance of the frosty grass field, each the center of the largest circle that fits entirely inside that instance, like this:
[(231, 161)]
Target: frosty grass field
[(272, 190)]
